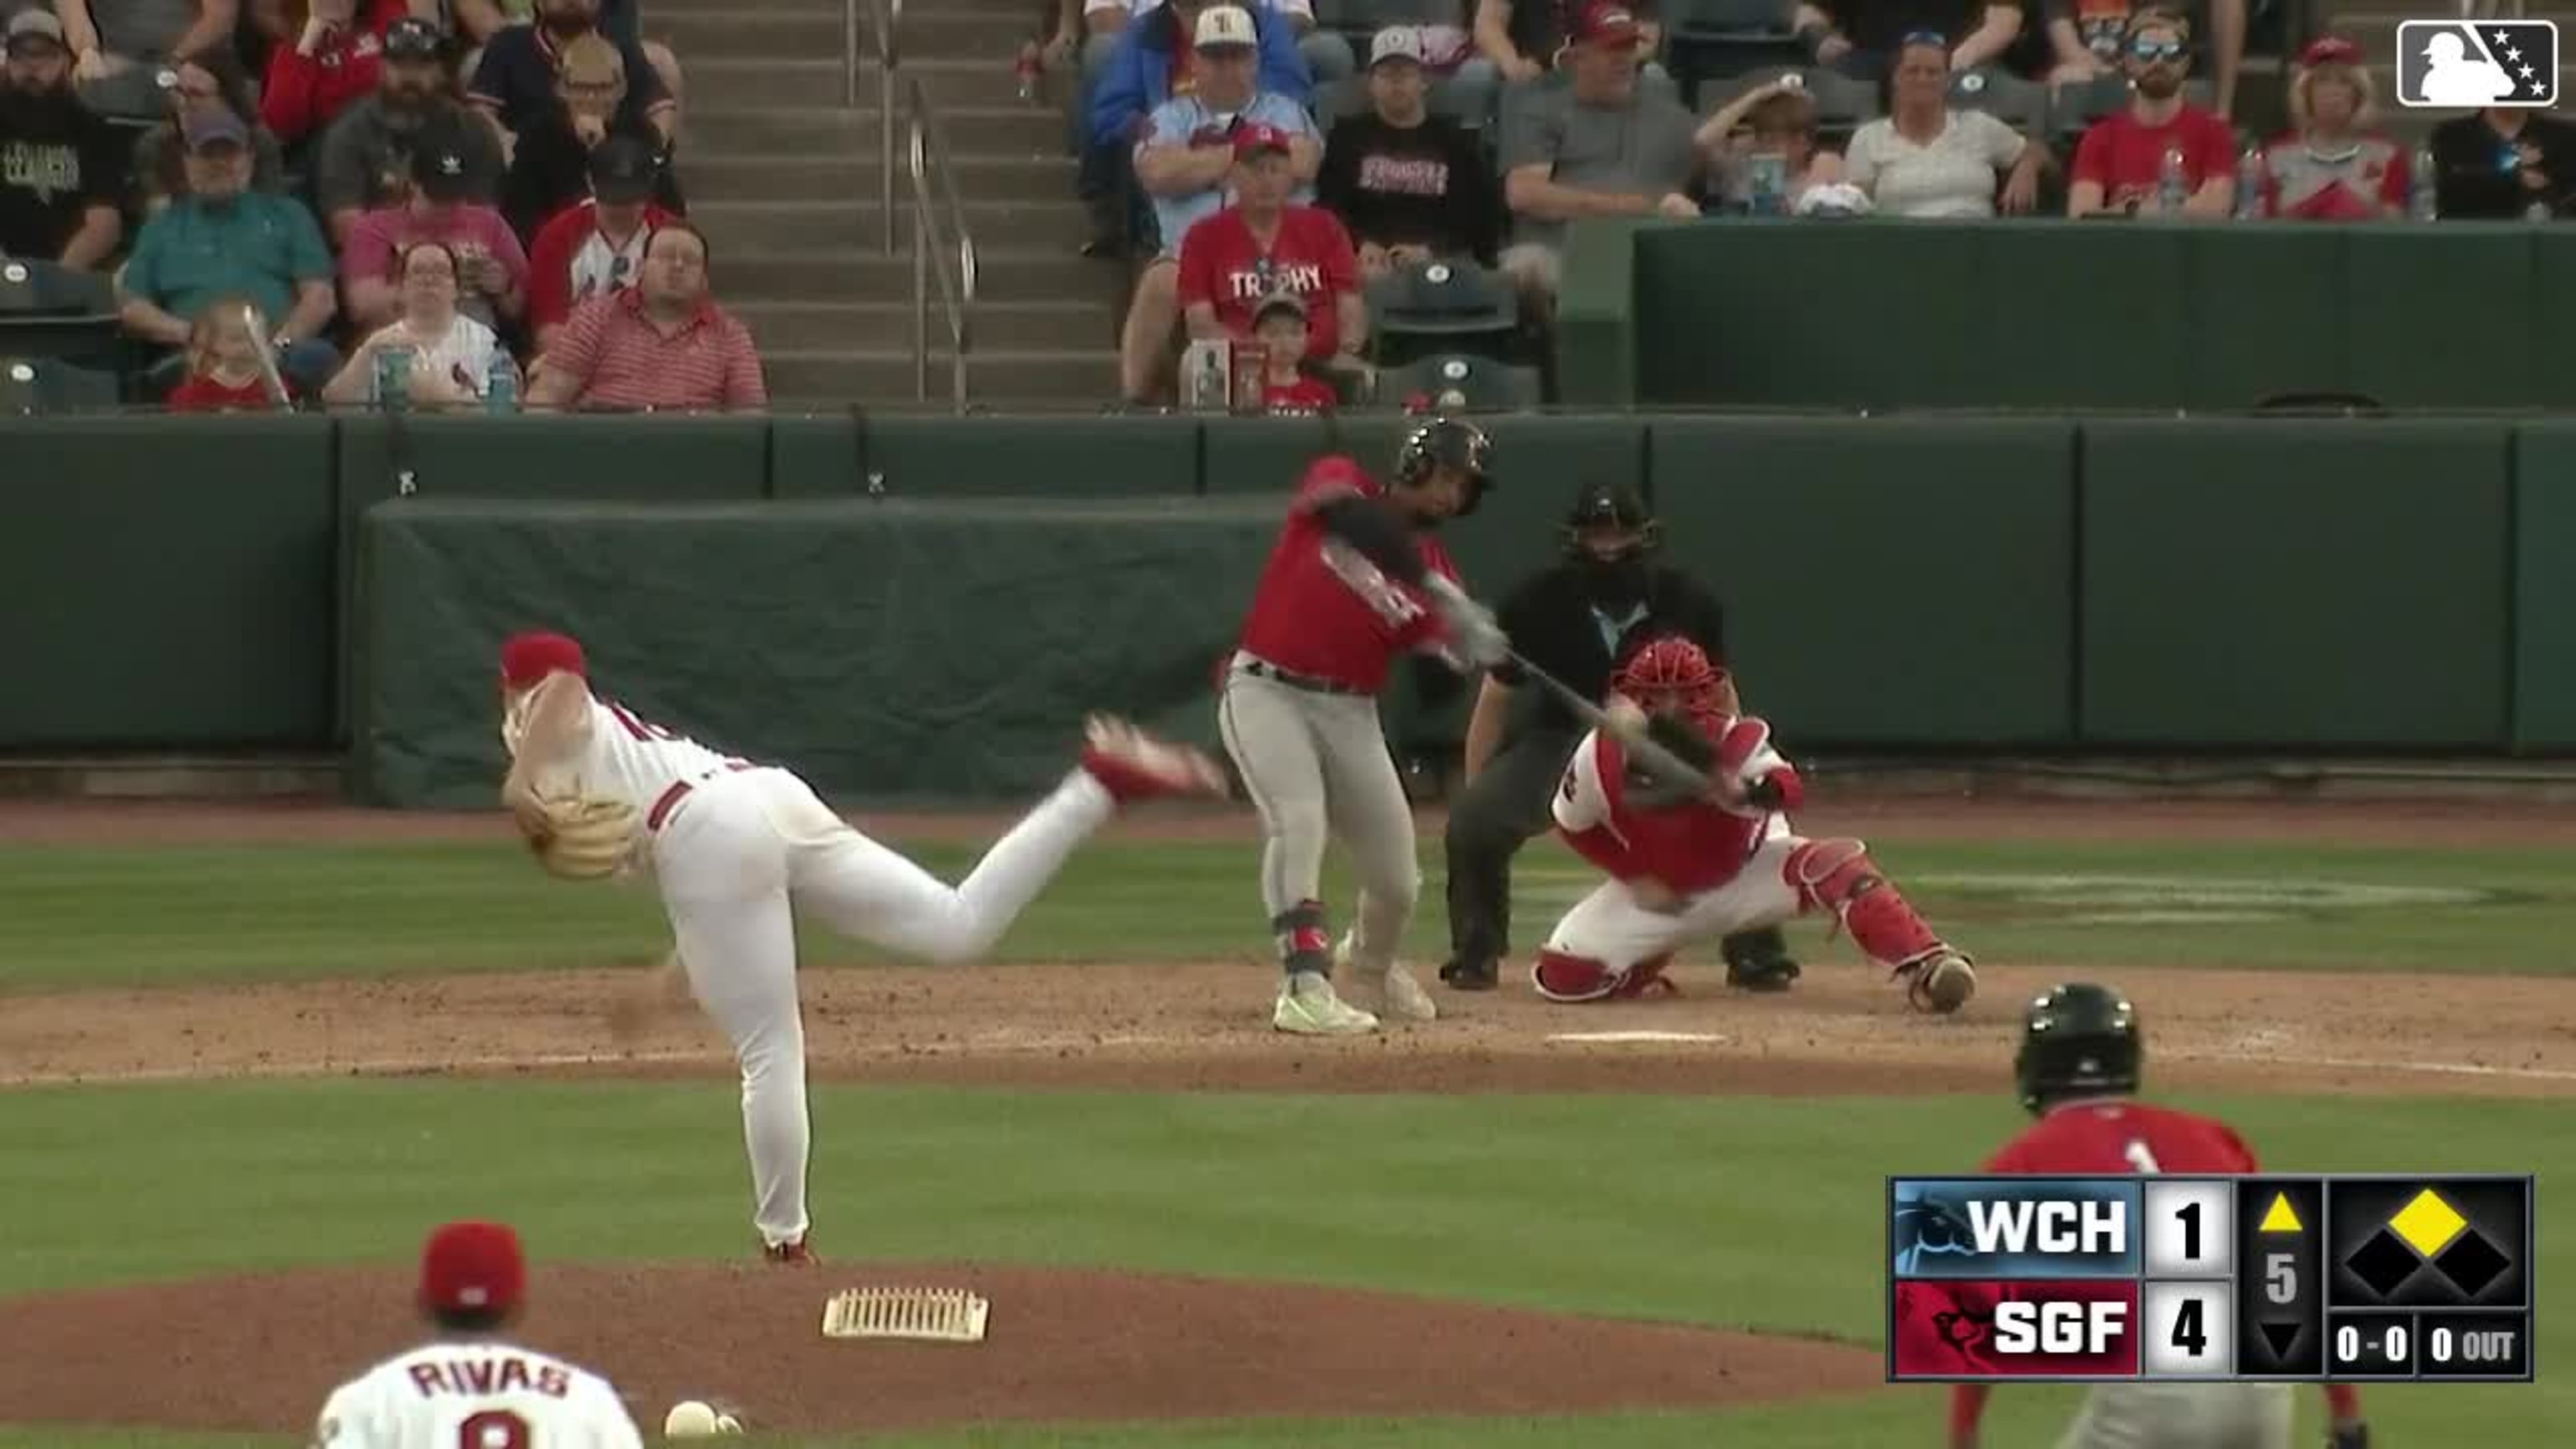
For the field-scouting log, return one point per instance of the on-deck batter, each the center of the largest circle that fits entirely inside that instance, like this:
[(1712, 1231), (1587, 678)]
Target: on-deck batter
[(1698, 869), (736, 846), (2078, 1070), (1298, 712)]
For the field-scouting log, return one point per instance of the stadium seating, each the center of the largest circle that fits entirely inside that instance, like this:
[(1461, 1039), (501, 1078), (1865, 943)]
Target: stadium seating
[(44, 385), (1440, 307), (1455, 381)]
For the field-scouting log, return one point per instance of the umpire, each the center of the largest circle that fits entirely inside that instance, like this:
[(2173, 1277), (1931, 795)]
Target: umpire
[(1576, 620)]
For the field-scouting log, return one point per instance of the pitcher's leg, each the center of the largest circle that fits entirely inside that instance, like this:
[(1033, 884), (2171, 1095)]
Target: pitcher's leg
[(1270, 731), (740, 955), (1488, 824), (1364, 799)]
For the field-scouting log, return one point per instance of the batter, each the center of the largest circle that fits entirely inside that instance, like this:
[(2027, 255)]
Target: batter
[(1687, 870), (1298, 712), (735, 847)]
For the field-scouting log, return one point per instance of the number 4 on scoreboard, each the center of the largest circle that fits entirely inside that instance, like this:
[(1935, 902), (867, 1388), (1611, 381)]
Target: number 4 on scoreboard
[(2188, 1333)]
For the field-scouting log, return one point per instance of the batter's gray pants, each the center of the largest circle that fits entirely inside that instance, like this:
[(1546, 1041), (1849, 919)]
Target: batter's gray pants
[(1316, 766), (2183, 1416)]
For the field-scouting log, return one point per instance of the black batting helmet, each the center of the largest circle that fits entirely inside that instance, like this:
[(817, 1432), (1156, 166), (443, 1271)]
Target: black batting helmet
[(1460, 444), (2078, 1040), (1609, 503)]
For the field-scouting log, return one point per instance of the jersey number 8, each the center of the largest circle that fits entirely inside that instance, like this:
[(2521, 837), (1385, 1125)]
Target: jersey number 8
[(494, 1429)]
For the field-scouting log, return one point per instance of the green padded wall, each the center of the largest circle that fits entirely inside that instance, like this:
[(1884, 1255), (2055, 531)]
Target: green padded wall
[(171, 582), (1037, 457), (2443, 318), (2066, 315), (891, 649), (2280, 583), (2272, 314), (816, 457), (1897, 580), (1596, 314), (1268, 455), (2544, 598)]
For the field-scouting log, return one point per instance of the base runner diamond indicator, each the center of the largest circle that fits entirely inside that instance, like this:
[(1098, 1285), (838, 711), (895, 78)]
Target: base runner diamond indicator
[(2383, 1263), (2472, 1263), (2428, 1224)]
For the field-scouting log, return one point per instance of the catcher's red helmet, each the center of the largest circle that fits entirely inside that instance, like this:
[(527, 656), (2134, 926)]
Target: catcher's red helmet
[(1670, 672)]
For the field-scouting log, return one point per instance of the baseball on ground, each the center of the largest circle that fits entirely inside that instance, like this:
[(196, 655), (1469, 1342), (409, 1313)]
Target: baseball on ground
[(696, 1419)]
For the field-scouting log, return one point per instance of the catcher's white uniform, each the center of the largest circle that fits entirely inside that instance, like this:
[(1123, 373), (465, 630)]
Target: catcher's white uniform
[(733, 845), (475, 1394)]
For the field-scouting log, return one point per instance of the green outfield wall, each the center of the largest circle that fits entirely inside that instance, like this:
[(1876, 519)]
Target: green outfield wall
[(1884, 314), (921, 606)]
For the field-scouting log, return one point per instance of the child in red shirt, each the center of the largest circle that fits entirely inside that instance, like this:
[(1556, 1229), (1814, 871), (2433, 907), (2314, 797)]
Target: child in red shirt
[(1279, 327), (224, 374)]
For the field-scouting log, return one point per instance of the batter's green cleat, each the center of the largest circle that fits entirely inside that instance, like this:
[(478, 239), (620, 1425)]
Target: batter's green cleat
[(1308, 1007), (1758, 961)]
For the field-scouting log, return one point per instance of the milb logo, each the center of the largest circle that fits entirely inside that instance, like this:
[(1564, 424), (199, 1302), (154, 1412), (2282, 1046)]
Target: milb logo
[(2461, 65), (1997, 1229)]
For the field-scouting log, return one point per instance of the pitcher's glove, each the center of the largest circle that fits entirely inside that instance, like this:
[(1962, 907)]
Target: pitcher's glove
[(581, 839)]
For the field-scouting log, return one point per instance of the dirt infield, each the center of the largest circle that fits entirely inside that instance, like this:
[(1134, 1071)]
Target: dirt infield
[(1252, 1348), (1061, 1345)]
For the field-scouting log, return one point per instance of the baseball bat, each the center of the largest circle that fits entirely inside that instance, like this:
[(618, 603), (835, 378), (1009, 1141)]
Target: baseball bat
[(268, 373), (1632, 736)]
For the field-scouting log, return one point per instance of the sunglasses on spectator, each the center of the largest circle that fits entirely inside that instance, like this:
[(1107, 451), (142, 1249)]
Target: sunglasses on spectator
[(2156, 50)]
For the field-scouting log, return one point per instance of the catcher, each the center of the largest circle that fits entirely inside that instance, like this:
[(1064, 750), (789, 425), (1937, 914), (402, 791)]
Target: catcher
[(1685, 868), (735, 846)]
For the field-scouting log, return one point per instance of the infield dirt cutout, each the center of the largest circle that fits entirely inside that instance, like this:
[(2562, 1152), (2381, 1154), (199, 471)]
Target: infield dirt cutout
[(259, 1353)]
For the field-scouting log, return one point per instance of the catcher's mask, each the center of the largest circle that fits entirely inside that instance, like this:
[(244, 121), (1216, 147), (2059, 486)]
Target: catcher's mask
[(2078, 1040), (1610, 508), (1459, 444), (1670, 675)]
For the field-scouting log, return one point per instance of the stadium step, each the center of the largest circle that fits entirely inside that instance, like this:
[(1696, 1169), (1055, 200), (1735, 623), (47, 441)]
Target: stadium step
[(862, 274), (994, 379), (830, 128), (803, 326), (755, 31), (846, 221), (728, 177)]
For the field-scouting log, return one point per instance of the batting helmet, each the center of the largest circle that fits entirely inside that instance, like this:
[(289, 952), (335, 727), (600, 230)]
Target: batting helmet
[(1670, 671), (1461, 445), (1611, 504), (2078, 1040)]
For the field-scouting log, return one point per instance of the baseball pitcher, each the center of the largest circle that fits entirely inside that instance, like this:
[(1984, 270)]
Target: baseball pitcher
[(1688, 869), (735, 847), (470, 1388), (2078, 1070), (1356, 579)]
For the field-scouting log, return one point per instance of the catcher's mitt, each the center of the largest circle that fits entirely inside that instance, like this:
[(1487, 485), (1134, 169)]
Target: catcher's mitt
[(584, 839)]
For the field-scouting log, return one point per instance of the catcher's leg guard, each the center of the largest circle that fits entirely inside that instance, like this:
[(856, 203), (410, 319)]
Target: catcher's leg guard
[(1839, 876), (1571, 980)]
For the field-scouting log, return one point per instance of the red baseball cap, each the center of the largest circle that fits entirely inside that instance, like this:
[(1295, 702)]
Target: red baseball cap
[(528, 658), (2330, 49), (1253, 139), (1606, 22), (473, 1267)]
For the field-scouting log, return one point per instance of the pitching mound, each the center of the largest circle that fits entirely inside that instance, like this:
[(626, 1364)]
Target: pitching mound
[(260, 1353)]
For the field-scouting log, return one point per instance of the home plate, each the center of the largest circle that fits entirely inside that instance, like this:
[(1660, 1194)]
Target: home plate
[(1614, 1038)]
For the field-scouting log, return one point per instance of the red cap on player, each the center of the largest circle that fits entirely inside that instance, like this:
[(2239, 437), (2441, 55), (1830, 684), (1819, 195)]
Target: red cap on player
[(472, 1266), (528, 658)]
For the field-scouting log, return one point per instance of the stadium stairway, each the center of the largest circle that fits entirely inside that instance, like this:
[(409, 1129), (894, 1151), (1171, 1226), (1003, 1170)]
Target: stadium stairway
[(2373, 24), (783, 177)]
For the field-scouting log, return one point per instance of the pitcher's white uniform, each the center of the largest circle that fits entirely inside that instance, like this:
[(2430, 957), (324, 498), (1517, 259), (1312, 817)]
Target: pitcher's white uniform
[(487, 1394), (733, 844)]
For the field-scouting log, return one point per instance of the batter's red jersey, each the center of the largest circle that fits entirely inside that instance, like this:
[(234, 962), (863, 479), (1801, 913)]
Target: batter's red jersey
[(1691, 848), (1326, 613), (2106, 1138)]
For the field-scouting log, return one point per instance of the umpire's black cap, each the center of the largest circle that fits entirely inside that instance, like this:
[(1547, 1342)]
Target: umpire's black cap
[(2078, 1040)]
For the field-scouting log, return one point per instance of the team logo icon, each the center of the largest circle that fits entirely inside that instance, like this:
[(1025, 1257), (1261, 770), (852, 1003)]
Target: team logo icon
[(2461, 64)]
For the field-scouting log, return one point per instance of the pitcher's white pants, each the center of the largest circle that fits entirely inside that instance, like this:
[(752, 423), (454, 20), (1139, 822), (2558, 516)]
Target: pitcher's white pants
[(2183, 1416), (734, 858)]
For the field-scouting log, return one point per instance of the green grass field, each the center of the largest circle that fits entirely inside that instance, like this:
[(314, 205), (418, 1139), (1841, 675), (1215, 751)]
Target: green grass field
[(1754, 1212)]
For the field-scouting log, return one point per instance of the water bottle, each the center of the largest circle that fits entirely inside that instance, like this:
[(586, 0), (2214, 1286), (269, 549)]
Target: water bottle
[(1767, 182), (2173, 188), (393, 379), (2252, 170), (1026, 70), (2422, 195), (501, 385)]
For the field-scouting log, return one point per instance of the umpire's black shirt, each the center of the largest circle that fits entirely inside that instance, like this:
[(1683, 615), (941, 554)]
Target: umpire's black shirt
[(1577, 628)]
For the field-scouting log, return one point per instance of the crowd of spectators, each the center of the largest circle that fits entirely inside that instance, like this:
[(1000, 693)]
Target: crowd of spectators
[(1478, 131), (441, 203)]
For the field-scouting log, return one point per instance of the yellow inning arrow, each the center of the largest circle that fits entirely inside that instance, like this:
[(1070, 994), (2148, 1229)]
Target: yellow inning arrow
[(2280, 1219)]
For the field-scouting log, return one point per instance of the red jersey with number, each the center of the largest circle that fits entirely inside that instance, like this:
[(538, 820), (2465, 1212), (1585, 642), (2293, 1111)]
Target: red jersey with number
[(1323, 611), (2107, 1137), (1224, 265), (1305, 395), (2127, 160)]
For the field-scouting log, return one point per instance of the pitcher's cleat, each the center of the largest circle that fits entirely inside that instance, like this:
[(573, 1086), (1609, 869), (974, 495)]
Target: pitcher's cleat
[(1133, 765), (1308, 1007), (798, 1254)]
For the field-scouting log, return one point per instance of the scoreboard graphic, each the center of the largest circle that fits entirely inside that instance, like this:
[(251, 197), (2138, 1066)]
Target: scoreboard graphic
[(2346, 1278)]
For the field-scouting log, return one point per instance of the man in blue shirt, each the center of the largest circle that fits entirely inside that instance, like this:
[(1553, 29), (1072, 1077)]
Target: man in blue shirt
[(1155, 59), (224, 239)]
